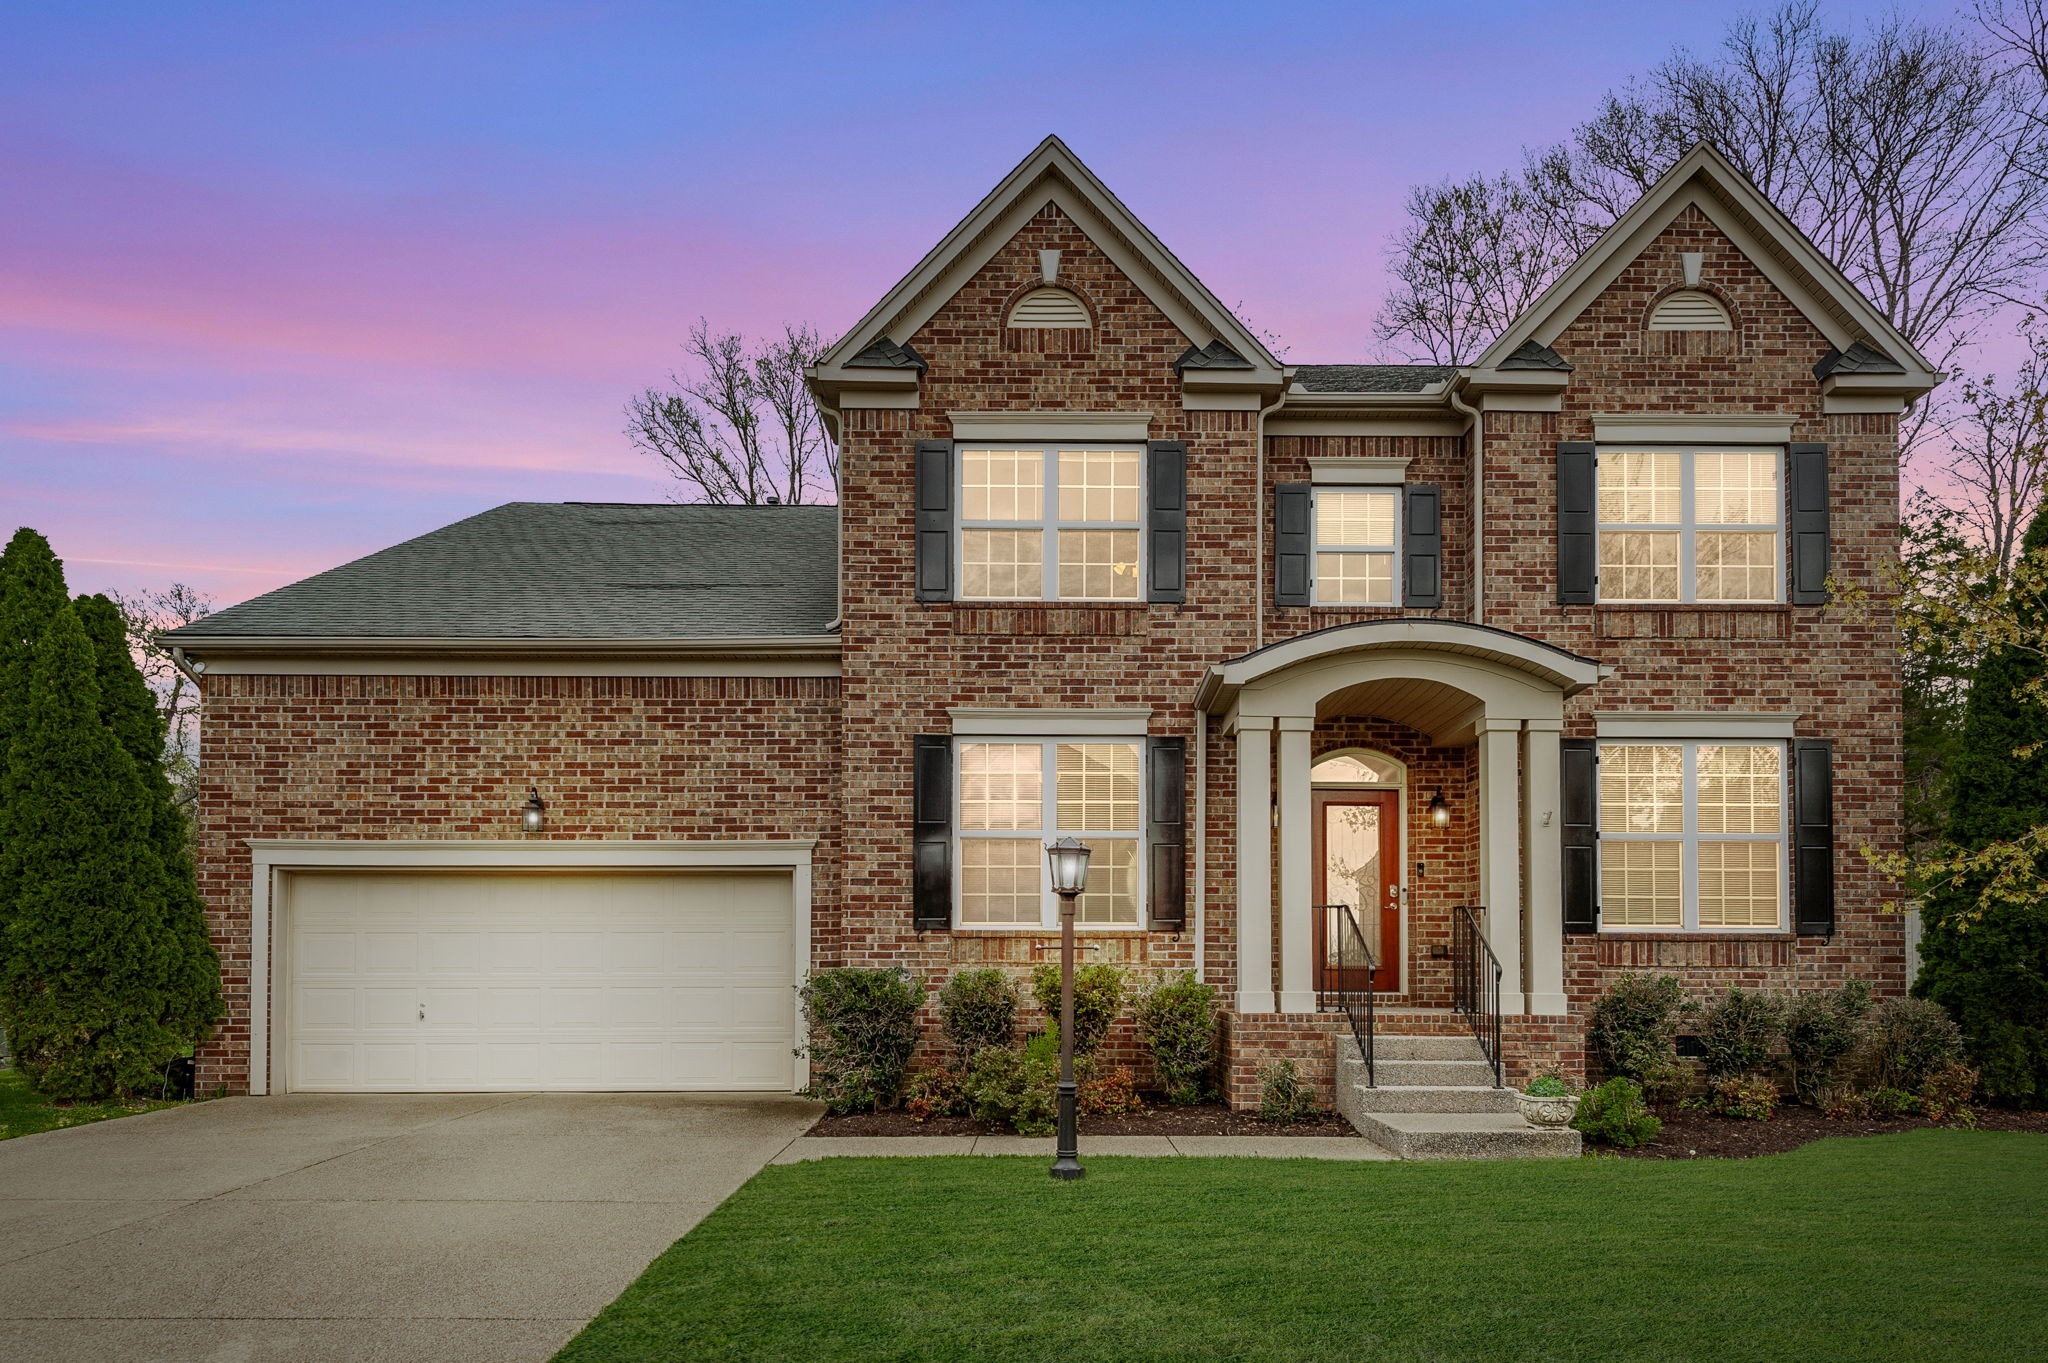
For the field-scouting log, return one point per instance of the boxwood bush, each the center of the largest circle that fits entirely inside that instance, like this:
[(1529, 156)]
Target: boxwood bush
[(1634, 1028), (862, 1025), (978, 1009), (1177, 1019), (1098, 998), (1738, 1031), (1615, 1114)]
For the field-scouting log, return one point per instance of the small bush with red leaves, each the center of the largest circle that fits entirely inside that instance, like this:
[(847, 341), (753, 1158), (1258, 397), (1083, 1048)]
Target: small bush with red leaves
[(935, 1093)]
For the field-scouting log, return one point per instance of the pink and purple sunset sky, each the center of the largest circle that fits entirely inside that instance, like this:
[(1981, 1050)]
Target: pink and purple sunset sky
[(281, 285)]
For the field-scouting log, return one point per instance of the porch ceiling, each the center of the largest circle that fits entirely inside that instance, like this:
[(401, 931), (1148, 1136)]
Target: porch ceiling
[(1443, 712)]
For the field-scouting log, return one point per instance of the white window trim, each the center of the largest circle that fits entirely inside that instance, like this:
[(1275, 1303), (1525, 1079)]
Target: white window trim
[(1049, 829), (973, 721), (1657, 726), (1316, 548), (1687, 528), (1050, 526), (1689, 837), (1358, 470)]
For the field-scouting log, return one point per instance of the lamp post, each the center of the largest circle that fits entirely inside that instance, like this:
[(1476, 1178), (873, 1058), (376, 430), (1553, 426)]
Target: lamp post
[(1069, 873)]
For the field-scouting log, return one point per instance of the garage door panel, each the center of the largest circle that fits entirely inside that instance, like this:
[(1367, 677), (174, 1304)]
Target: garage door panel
[(586, 981)]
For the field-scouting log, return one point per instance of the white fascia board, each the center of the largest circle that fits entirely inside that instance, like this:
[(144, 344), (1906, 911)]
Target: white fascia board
[(1678, 726), (1704, 428), (807, 656), (978, 721), (1363, 425)]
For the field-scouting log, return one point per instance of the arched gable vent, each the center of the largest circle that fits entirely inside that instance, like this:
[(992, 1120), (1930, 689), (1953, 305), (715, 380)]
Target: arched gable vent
[(1048, 308), (1690, 310)]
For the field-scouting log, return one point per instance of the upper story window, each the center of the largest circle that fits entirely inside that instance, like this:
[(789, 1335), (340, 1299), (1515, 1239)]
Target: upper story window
[(1009, 811), (1690, 525), (1051, 523), (1048, 308), (1357, 537), (1692, 835)]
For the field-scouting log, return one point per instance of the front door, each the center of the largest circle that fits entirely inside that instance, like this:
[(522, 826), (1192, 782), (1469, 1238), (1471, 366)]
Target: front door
[(1358, 864)]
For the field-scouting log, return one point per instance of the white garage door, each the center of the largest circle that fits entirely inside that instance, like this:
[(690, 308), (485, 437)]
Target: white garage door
[(458, 981)]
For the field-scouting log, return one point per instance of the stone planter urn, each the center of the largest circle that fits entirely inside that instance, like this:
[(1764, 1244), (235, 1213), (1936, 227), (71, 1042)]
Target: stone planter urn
[(1547, 1110)]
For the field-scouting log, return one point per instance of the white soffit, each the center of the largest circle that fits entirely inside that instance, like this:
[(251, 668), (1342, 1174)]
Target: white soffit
[(978, 721), (1357, 470), (1678, 726), (1051, 425), (1700, 428)]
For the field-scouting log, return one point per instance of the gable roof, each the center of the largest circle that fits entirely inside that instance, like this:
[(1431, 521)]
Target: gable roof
[(566, 571), (1705, 179), (1051, 174)]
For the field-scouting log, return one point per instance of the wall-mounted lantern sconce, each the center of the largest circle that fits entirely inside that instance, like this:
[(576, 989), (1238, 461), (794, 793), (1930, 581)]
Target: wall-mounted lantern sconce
[(533, 815), (1439, 812)]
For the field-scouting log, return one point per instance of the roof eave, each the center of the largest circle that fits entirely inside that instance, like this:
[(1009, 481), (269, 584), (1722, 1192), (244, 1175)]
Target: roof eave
[(199, 645)]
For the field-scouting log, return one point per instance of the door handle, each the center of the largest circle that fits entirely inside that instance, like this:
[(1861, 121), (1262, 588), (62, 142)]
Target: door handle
[(423, 1012)]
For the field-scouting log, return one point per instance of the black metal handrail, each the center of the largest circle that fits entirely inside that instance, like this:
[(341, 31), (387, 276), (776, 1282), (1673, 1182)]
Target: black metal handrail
[(1352, 957), (1475, 984)]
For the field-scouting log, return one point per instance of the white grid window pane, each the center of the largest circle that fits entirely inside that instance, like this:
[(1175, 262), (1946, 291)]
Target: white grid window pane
[(1736, 565), (1097, 787), (1110, 894), (1002, 563), (1735, 488), (1099, 485), (1099, 565), (1639, 487), (999, 880), (1001, 785), (1355, 579), (1002, 485), (1639, 565), (1640, 884), (1739, 884), (1356, 520), (1642, 788), (1739, 789)]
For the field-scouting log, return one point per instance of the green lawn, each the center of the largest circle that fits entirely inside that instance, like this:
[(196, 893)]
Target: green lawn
[(23, 1111), (1925, 1245)]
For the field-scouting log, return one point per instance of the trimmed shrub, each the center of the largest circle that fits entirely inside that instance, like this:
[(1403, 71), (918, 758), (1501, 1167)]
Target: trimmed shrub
[(978, 1009), (1749, 1097), (1017, 1088), (1883, 1104), (1177, 1019), (862, 1025), (1098, 998), (1615, 1114), (935, 1093), (1634, 1029), (1283, 1097), (1904, 1041), (1106, 1092), (1737, 1032), (1822, 1027)]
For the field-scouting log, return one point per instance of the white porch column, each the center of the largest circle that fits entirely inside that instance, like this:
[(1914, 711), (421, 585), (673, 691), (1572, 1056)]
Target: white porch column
[(1500, 851), (1297, 953), (1254, 865), (1542, 862)]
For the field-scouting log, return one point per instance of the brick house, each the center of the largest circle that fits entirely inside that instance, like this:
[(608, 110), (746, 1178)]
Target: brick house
[(1356, 678)]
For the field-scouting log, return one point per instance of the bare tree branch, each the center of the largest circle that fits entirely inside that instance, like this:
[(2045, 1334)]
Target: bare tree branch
[(149, 615)]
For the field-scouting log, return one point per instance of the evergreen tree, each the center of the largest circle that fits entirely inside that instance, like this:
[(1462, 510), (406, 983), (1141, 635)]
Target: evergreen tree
[(88, 979), (1987, 963), (129, 710), (31, 593)]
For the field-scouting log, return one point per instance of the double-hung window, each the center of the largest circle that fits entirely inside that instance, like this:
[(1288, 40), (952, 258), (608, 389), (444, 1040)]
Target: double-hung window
[(1051, 523), (1692, 836), (1017, 795), (1691, 525), (1358, 548)]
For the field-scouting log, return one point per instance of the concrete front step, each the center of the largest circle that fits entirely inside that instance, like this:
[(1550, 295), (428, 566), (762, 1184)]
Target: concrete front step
[(1434, 1098), (1464, 1073), (1463, 1135), (1385, 1047)]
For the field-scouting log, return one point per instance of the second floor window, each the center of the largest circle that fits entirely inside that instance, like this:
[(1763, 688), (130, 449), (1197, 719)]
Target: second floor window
[(1051, 523), (1357, 547), (1690, 525)]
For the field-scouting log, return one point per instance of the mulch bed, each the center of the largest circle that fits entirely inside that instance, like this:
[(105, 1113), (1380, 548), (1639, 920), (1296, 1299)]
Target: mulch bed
[(1203, 1119), (1699, 1135)]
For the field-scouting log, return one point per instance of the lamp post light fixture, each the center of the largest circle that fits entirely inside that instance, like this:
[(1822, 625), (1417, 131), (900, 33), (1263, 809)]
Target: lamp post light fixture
[(1439, 812), (1069, 874), (533, 815)]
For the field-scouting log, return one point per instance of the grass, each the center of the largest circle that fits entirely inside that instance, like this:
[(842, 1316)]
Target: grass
[(1923, 1245), (23, 1111)]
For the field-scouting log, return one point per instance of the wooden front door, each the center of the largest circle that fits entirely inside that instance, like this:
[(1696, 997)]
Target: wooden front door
[(1358, 863)]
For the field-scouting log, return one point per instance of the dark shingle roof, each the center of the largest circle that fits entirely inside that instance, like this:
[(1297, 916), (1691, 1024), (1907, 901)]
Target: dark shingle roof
[(1214, 355), (571, 570), (1536, 355), (886, 354), (1371, 378), (1860, 358)]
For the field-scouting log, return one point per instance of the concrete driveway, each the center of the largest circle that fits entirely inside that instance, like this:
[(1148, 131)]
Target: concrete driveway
[(416, 1227)]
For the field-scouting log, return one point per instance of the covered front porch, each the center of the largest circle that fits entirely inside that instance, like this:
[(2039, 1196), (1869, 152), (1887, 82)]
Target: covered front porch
[(1406, 770)]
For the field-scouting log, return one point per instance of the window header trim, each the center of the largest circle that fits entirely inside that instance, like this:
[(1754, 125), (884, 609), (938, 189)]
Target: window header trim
[(1705, 428), (1705, 727), (1051, 427)]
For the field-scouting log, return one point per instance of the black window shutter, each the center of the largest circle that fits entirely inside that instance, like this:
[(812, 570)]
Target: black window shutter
[(931, 814), (934, 520), (1813, 836), (1807, 479), (1579, 772), (1291, 534), (1422, 546), (1577, 564), (1166, 834), (1166, 521)]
